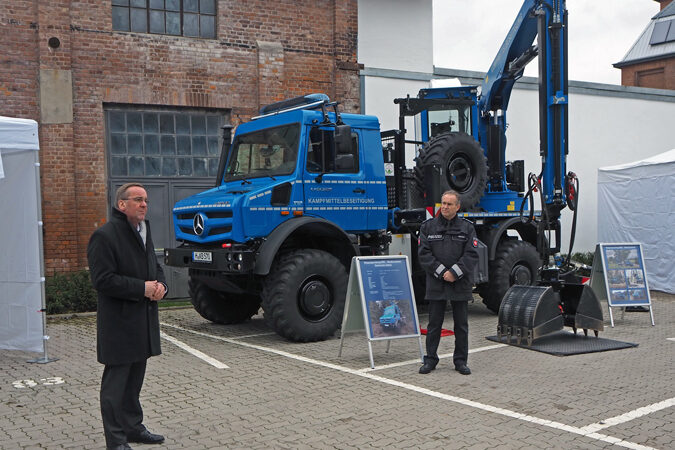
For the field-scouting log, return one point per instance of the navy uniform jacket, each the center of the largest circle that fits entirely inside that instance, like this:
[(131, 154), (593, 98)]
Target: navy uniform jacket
[(127, 321), (448, 245)]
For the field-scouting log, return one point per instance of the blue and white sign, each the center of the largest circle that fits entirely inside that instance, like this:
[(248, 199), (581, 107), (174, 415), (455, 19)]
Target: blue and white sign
[(380, 300), (619, 276)]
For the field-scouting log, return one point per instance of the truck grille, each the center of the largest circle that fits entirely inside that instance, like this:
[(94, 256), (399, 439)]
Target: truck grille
[(212, 231)]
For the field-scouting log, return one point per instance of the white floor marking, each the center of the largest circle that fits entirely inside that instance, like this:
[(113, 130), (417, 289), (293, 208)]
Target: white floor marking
[(246, 336), (671, 339), (417, 361), (635, 414), (214, 362), (429, 392)]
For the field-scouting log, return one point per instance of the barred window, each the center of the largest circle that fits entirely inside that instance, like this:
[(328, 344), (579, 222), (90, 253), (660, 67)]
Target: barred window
[(191, 18), (163, 143)]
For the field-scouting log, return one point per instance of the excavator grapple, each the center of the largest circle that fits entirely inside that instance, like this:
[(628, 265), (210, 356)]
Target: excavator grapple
[(530, 312), (581, 308)]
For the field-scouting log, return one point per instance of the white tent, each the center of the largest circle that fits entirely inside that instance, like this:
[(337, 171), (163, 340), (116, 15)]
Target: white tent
[(636, 203), (21, 265)]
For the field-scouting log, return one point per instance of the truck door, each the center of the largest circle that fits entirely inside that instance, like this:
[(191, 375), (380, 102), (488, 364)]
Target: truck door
[(334, 182)]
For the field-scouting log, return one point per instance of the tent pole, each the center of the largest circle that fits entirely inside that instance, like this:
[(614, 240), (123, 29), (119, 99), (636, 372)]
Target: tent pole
[(43, 311)]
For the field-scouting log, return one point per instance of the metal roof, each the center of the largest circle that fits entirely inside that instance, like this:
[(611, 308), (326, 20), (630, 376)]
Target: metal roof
[(642, 50), (665, 12)]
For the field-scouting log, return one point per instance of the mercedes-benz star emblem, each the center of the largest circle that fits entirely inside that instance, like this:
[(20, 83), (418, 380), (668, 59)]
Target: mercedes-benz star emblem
[(198, 224)]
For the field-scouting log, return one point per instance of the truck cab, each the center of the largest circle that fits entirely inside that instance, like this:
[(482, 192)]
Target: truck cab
[(288, 165)]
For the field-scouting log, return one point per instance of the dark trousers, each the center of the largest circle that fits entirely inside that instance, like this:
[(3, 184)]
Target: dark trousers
[(460, 317), (120, 406)]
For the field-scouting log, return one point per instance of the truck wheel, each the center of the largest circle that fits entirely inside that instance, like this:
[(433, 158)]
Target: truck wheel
[(463, 164), (222, 307), (304, 295), (516, 262)]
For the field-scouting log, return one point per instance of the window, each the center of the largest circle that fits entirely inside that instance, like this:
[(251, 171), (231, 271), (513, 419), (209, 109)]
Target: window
[(192, 18), (144, 143), (449, 119), (322, 157), (266, 153), (663, 32)]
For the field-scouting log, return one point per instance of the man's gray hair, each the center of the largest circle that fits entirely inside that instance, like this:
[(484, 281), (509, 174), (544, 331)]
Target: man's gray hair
[(122, 191), (452, 192)]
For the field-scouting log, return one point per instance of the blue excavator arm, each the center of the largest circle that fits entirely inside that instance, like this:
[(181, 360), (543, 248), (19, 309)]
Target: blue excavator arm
[(545, 20)]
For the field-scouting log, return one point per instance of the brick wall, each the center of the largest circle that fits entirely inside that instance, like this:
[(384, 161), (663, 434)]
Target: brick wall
[(264, 51), (658, 74)]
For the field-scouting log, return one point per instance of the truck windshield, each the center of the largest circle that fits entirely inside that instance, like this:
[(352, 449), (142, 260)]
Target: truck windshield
[(449, 119), (264, 153)]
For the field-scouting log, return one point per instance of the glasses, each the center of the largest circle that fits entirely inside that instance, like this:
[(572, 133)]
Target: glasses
[(138, 199)]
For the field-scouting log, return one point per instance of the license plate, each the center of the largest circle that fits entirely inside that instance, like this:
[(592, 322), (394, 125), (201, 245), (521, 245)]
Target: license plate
[(204, 257)]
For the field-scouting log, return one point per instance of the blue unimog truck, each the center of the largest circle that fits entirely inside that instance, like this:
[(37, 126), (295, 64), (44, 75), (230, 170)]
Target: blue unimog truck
[(391, 317), (303, 188)]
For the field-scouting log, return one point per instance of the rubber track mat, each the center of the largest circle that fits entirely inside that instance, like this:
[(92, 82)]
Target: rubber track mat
[(565, 343)]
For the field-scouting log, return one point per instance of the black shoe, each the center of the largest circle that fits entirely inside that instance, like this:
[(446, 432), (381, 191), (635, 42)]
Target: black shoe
[(463, 369), (119, 447), (146, 437), (426, 368)]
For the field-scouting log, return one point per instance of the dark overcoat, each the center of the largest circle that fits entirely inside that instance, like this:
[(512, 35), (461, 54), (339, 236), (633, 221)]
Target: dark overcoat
[(127, 321), (448, 245)]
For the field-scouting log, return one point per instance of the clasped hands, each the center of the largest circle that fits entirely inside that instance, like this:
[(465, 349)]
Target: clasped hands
[(154, 290), (449, 276)]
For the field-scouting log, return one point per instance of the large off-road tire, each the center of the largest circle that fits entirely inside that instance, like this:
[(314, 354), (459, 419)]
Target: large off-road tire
[(222, 307), (463, 164), (304, 295), (516, 262)]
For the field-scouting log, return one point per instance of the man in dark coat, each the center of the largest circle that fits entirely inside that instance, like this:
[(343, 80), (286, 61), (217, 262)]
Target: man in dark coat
[(448, 254), (129, 280)]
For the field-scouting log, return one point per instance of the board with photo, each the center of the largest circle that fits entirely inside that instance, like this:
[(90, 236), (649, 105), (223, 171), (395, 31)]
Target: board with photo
[(619, 276)]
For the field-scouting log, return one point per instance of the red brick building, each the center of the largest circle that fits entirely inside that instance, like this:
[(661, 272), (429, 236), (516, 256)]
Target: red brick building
[(139, 90), (651, 61)]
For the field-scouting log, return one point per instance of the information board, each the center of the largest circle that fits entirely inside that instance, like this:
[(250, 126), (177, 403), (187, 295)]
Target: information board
[(619, 276), (380, 300)]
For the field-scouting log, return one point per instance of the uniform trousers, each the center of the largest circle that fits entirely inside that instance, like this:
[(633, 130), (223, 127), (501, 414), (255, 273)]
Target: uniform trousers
[(460, 327), (120, 405)]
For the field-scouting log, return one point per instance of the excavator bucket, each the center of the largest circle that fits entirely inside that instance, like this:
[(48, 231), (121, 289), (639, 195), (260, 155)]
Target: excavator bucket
[(529, 312), (581, 308)]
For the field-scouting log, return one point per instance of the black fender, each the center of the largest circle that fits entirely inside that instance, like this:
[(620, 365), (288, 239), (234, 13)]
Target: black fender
[(527, 231), (316, 233)]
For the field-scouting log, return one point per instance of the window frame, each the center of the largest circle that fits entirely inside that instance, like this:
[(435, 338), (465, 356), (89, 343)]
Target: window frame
[(147, 141), (127, 14), (325, 149)]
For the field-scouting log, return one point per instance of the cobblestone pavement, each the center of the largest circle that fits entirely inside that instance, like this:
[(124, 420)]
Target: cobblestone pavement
[(278, 394)]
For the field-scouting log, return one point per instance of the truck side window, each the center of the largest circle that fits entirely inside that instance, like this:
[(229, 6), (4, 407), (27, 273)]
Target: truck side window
[(315, 151), (348, 161), (321, 157)]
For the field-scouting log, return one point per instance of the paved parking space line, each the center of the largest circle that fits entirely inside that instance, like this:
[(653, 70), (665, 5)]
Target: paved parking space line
[(429, 392), (635, 414), (246, 336), (417, 361), (671, 339), (214, 362)]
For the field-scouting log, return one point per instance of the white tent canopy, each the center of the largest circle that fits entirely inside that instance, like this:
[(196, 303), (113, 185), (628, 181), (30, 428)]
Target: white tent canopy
[(21, 272), (636, 203)]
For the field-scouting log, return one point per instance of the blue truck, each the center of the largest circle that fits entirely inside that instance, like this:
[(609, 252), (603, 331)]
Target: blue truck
[(303, 188), (391, 317)]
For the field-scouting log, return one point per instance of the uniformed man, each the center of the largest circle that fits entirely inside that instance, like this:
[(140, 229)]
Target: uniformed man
[(448, 254)]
